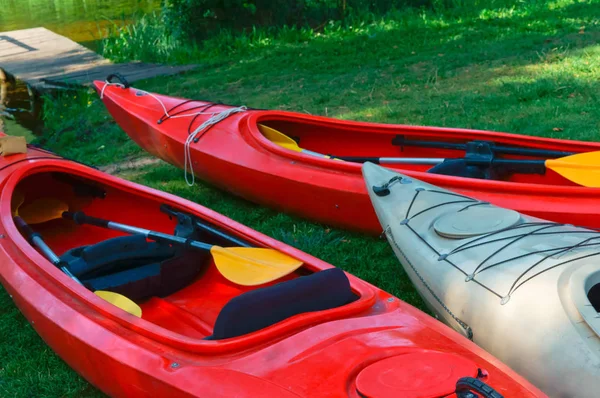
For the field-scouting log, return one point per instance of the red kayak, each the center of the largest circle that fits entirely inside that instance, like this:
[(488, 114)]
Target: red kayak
[(315, 332), (228, 148)]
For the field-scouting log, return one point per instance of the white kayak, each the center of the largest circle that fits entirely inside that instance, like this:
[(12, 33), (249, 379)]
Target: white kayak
[(526, 290)]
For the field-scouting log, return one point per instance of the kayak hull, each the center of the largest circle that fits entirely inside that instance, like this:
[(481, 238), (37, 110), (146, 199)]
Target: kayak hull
[(519, 286), (233, 155), (310, 354)]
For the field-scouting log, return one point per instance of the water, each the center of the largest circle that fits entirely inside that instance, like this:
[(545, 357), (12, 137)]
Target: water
[(84, 21), (20, 110)]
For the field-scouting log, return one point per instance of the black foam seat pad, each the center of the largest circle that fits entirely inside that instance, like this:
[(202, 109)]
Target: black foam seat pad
[(257, 309)]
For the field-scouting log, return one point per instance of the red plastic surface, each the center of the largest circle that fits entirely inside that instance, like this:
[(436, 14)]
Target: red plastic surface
[(235, 156), (418, 375), (163, 354)]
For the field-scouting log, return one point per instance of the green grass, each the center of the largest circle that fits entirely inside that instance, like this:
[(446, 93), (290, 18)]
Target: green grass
[(147, 39), (529, 67), (28, 367), (77, 126)]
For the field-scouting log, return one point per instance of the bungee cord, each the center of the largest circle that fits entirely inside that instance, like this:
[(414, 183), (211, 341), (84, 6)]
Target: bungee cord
[(193, 136), (528, 229)]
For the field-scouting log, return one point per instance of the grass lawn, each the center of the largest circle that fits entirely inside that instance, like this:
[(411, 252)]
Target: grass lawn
[(527, 67)]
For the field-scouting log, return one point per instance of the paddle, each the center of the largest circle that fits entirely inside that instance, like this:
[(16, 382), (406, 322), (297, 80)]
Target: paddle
[(242, 265), (286, 142), (581, 168), (245, 266), (401, 141), (16, 202), (41, 210), (36, 240)]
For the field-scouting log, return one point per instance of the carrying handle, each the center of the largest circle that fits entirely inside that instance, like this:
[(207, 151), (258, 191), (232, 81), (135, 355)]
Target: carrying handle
[(120, 77)]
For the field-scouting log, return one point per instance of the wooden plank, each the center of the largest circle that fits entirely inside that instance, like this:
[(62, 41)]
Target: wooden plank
[(129, 74), (158, 71), (100, 73), (43, 58), (97, 72), (34, 69)]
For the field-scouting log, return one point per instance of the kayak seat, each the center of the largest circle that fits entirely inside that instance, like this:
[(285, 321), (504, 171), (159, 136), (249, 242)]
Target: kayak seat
[(257, 309), (134, 267), (116, 253), (594, 296)]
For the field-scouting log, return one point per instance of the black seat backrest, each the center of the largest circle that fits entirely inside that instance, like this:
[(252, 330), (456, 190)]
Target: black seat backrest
[(134, 267), (115, 254), (263, 307)]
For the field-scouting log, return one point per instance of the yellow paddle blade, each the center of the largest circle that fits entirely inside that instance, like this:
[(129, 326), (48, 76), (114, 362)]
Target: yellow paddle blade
[(249, 266), (17, 200), (279, 138), (120, 301), (582, 168), (286, 142), (43, 210)]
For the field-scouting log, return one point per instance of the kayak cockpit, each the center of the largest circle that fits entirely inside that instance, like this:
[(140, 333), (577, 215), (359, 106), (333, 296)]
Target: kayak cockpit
[(408, 148), (585, 293), (178, 289)]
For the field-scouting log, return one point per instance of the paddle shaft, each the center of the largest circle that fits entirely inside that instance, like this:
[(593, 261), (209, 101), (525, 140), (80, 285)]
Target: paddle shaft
[(81, 218), (417, 161), (507, 150), (523, 166), (36, 240)]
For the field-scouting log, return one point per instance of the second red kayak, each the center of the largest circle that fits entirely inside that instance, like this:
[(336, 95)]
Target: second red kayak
[(228, 147)]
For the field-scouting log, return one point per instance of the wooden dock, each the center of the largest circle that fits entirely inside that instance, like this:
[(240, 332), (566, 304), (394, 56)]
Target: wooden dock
[(46, 60)]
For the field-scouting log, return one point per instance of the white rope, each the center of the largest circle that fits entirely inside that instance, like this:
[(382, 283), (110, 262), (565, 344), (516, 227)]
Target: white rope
[(106, 84), (214, 119)]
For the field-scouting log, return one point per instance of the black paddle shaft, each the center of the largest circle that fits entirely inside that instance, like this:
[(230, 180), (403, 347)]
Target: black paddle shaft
[(81, 218), (400, 140), (525, 166), (517, 166), (36, 240)]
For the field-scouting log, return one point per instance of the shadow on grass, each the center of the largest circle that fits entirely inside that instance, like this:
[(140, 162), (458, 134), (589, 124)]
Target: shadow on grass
[(406, 35), (552, 98)]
